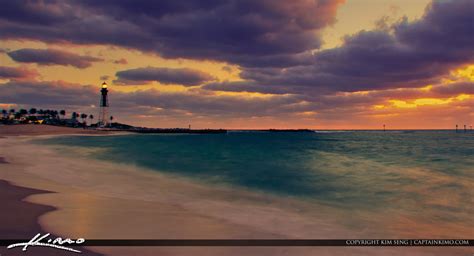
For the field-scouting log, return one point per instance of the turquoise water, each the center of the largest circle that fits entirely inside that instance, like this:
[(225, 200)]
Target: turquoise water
[(422, 173), (328, 166)]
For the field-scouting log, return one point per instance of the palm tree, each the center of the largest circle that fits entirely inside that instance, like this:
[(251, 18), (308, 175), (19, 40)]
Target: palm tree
[(12, 110), (4, 113), (83, 116), (23, 112), (55, 114), (91, 117), (33, 111), (62, 112), (111, 119)]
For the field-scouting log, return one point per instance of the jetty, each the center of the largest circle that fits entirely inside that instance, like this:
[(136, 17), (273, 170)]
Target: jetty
[(177, 130)]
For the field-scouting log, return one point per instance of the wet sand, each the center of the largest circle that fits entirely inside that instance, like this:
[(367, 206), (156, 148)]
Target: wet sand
[(40, 129), (19, 220), (101, 200)]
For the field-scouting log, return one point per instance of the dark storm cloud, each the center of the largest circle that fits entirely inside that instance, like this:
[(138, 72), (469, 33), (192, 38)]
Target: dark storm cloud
[(16, 73), (24, 12), (444, 33), (52, 57), (413, 54), (182, 76), (247, 32)]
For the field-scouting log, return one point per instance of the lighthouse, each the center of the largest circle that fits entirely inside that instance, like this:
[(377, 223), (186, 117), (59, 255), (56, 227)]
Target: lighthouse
[(104, 106)]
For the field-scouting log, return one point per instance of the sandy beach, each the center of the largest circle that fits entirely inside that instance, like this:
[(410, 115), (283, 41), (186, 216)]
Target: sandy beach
[(102, 200), (34, 129)]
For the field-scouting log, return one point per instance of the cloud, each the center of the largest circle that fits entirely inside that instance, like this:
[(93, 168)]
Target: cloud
[(51, 93), (246, 86), (182, 76), (60, 93), (52, 57), (454, 88), (271, 40), (104, 77), (249, 33), (121, 61), (412, 55), (210, 104), (227, 69), (15, 73)]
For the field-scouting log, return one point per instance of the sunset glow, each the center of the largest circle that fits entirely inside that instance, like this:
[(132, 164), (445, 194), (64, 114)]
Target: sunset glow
[(288, 64)]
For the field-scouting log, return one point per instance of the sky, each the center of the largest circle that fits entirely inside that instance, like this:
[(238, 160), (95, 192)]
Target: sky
[(246, 64)]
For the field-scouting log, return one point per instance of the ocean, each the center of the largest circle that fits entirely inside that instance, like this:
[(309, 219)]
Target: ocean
[(425, 176)]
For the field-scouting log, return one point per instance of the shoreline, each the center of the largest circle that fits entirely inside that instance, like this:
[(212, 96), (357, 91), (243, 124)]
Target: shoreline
[(44, 130), (111, 215), (109, 201), (14, 198)]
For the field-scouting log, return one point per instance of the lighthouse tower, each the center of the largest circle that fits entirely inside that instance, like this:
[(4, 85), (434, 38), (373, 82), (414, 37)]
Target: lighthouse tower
[(104, 107)]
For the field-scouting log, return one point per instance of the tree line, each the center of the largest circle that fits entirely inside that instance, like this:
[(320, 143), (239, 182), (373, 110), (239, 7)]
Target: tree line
[(49, 116)]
